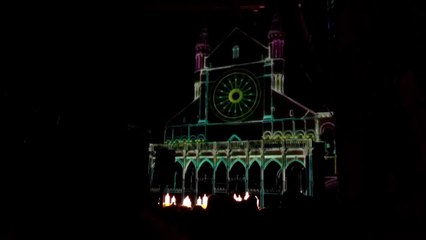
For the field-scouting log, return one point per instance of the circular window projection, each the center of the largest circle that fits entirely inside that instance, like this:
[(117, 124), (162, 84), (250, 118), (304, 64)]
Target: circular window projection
[(236, 96)]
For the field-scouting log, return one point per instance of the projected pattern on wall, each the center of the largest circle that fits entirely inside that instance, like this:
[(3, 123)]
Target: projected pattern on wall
[(242, 132)]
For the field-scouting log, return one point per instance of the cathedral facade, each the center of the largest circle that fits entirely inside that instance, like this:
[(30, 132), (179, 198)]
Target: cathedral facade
[(242, 132)]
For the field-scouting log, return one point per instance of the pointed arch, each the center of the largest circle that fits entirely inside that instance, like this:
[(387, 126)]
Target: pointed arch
[(203, 161), (234, 137), (180, 161), (236, 161), (188, 163), (272, 160), (221, 160), (255, 160), (289, 162)]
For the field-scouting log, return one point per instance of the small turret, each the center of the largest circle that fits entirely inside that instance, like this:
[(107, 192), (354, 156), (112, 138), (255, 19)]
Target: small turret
[(276, 38), (202, 49), (276, 53)]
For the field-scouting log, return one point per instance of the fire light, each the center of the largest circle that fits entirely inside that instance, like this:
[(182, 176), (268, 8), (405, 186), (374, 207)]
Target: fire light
[(166, 200), (187, 202), (199, 201), (246, 196), (238, 198), (204, 203)]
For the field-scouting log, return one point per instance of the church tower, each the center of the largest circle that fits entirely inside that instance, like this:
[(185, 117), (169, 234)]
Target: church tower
[(202, 49), (276, 53)]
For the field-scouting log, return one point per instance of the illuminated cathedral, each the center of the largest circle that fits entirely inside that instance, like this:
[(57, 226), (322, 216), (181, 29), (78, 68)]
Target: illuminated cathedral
[(243, 133)]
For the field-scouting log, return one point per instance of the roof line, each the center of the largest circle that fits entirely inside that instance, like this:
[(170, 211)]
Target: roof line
[(233, 30), (178, 113), (298, 104)]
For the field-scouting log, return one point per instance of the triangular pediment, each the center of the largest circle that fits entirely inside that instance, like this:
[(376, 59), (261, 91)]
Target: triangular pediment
[(236, 48)]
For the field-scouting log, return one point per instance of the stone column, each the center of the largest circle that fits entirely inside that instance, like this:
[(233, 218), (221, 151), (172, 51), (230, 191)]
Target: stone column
[(183, 185), (262, 188), (227, 180), (284, 167), (246, 180), (310, 175), (214, 182), (284, 179), (196, 185)]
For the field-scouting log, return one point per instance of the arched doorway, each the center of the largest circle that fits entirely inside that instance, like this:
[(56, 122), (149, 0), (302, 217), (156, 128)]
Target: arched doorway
[(190, 179), (254, 177), (236, 179), (205, 175), (220, 183), (296, 177), (177, 177)]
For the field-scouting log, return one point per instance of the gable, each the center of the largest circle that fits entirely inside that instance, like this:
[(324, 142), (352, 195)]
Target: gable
[(236, 48)]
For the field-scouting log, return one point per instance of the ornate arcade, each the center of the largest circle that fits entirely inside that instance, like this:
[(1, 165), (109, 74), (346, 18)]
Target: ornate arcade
[(242, 132)]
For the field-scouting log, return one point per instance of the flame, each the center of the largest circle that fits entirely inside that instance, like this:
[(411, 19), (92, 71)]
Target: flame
[(166, 202), (187, 202), (199, 201), (246, 196), (257, 202), (204, 203), (237, 198), (173, 201)]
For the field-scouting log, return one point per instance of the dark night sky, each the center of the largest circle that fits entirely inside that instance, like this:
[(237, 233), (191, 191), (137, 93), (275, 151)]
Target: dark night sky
[(81, 76), (119, 65)]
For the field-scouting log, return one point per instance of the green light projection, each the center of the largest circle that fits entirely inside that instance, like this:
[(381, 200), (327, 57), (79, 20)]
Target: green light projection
[(236, 96)]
